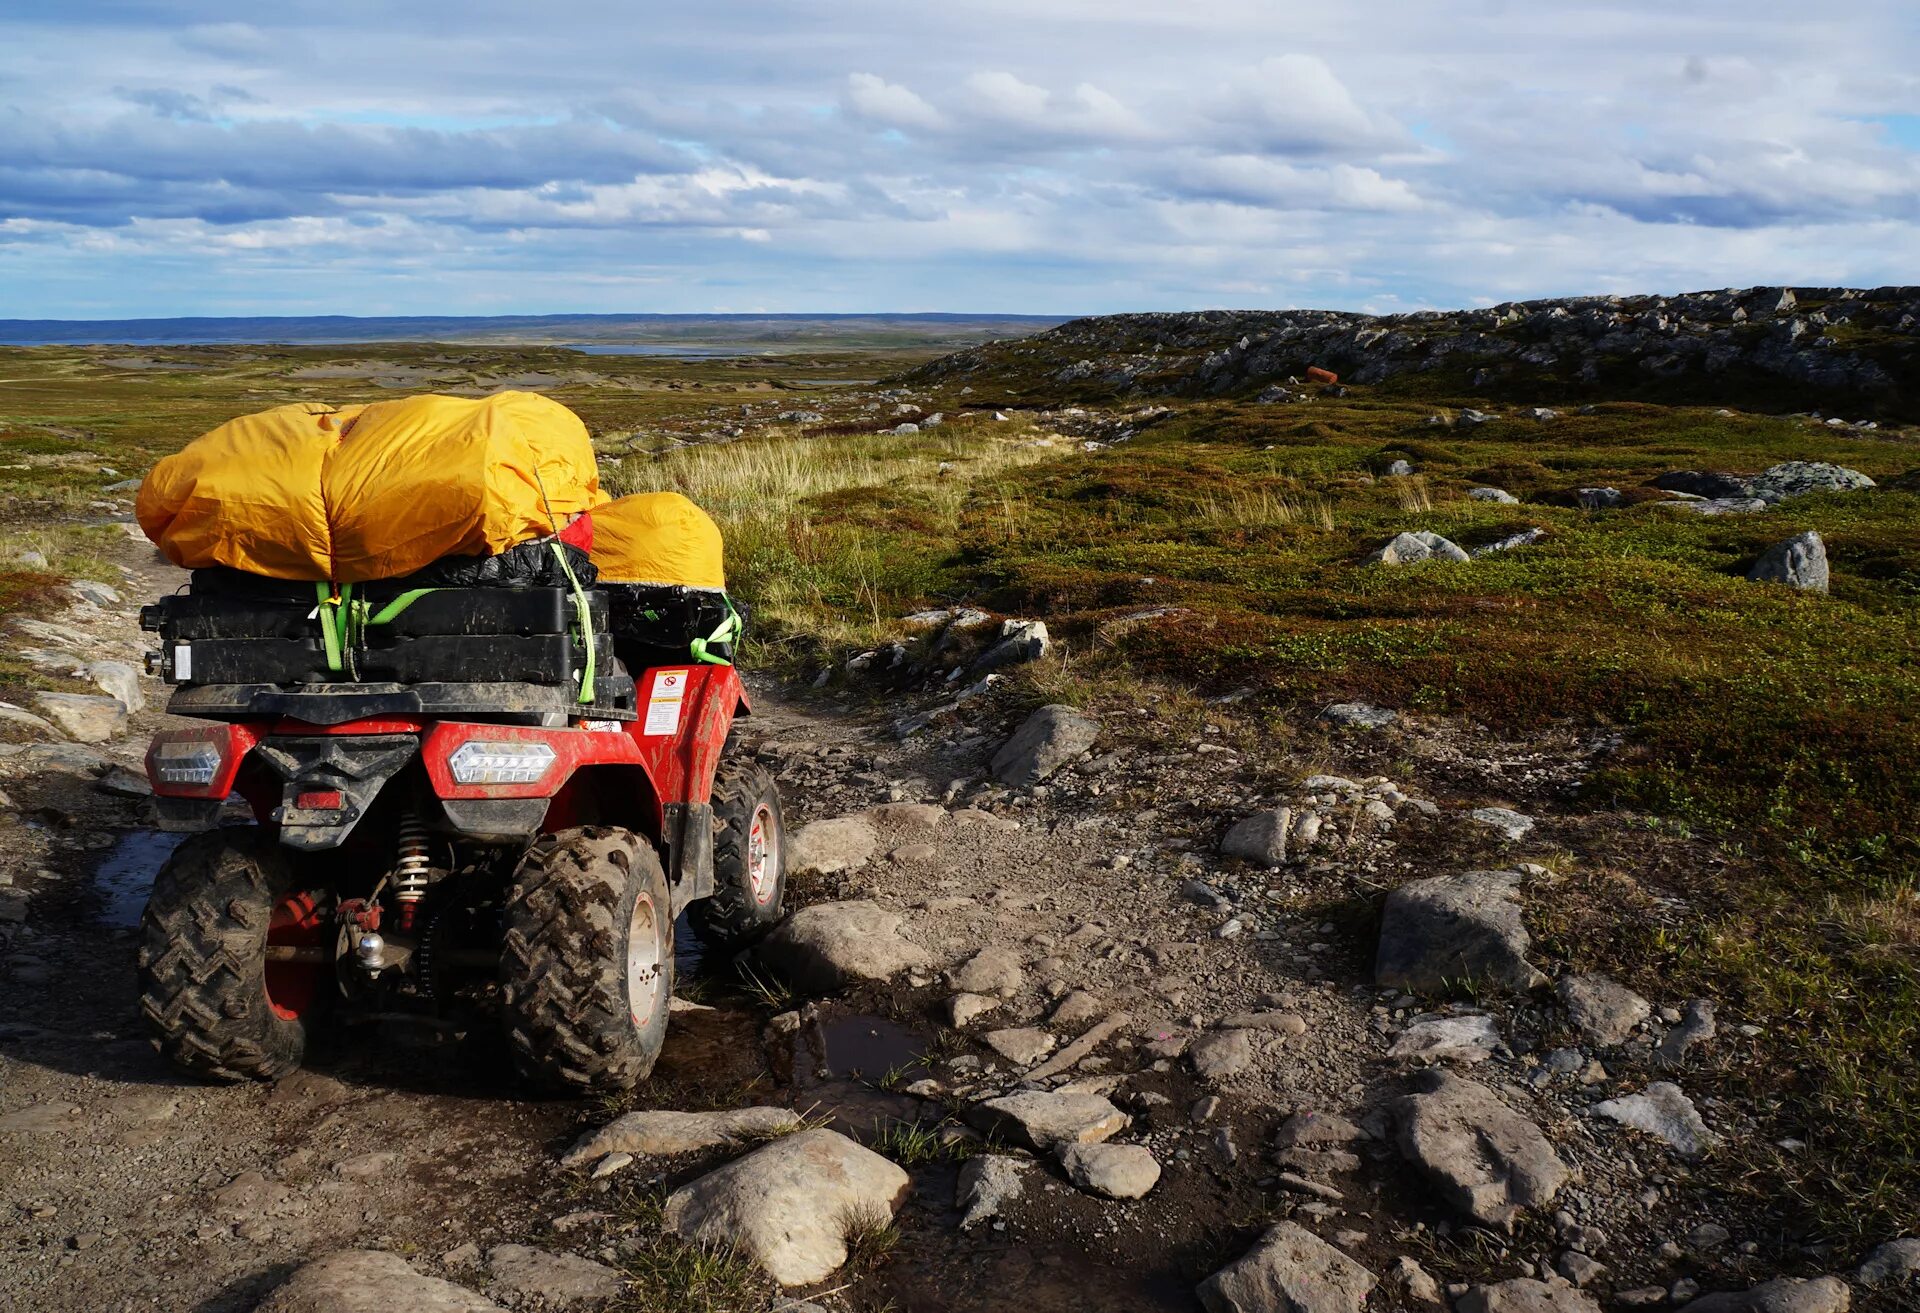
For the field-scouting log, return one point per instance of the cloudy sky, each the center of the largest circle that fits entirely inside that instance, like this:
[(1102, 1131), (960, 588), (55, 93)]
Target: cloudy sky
[(1048, 156)]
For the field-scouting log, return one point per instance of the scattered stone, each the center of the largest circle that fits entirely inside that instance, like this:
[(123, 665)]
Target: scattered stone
[(85, 717), (987, 1184), (788, 1205), (550, 1279), (1596, 499), (1468, 1039), (1118, 1171), (1222, 1054), (1696, 1027), (1318, 1162), (660, 1133), (123, 783), (1525, 538), (1282, 1023), (1524, 1295), (909, 815), (1895, 1263), (117, 680), (1419, 1284), (1047, 740), (1049, 1119), (1416, 546), (94, 593), (1439, 932), (1511, 825), (845, 843), (992, 970), (369, 1281), (1399, 469), (964, 1008), (1499, 496), (1289, 1270), (1261, 838), (36, 1118), (613, 1162), (829, 946), (1799, 562), (366, 1166), (1359, 715), (1781, 1295), (1487, 1161), (1579, 1268), (1020, 641), (1714, 485), (1663, 1111), (1077, 1009), (1307, 1129), (1797, 478), (1604, 1010), (1022, 1045)]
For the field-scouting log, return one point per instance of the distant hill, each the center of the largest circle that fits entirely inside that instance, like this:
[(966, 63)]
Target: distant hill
[(774, 332), (1790, 347)]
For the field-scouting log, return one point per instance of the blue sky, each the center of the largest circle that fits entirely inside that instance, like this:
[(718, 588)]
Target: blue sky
[(1045, 156)]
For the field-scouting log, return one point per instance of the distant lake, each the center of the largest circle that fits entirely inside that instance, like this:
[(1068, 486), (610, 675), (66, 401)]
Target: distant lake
[(661, 349)]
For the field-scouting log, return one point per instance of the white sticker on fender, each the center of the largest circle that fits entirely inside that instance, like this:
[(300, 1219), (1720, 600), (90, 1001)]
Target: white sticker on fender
[(182, 663), (663, 702)]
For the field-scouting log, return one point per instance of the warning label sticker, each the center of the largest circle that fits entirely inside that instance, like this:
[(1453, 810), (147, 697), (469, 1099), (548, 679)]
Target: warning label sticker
[(663, 702)]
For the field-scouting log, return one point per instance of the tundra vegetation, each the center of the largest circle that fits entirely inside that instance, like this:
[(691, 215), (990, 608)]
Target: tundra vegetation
[(1211, 552)]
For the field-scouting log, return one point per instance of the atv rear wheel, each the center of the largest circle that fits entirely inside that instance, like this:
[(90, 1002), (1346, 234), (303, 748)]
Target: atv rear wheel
[(587, 962), (749, 859), (213, 1001)]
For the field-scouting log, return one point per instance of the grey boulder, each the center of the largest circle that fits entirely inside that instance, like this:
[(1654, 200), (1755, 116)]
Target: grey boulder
[(1118, 1171), (791, 1204), (1799, 562), (552, 1280), (829, 946), (1781, 1295), (1289, 1270), (1359, 715), (1663, 1111), (1020, 640), (1604, 1010), (1416, 546), (1797, 478), (1485, 1160), (1049, 1119), (1895, 1263), (1527, 1296), (657, 1133), (1047, 740), (844, 843), (1261, 838), (1439, 932), (1498, 496), (85, 717), (370, 1281), (988, 1183)]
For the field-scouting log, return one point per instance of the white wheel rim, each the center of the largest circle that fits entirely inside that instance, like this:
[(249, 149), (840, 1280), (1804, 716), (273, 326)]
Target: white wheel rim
[(644, 959), (763, 855)]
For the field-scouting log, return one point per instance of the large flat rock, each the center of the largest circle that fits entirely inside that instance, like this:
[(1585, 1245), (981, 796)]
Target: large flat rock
[(660, 1132), (1290, 1270), (1484, 1160), (370, 1281), (791, 1204), (1049, 1119), (830, 946), (1047, 740), (1438, 933)]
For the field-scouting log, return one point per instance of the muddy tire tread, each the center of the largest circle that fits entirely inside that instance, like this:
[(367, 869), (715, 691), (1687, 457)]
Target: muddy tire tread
[(202, 957), (729, 919), (563, 961)]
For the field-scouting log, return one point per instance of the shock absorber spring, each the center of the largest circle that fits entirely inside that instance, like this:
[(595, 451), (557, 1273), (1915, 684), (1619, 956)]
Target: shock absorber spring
[(410, 868)]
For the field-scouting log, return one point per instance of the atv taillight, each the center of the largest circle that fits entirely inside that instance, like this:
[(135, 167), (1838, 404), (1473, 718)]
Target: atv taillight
[(198, 763), (320, 800), (480, 761), (195, 764)]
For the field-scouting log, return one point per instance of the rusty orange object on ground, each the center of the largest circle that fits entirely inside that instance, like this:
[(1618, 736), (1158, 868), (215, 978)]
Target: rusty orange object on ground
[(1315, 374)]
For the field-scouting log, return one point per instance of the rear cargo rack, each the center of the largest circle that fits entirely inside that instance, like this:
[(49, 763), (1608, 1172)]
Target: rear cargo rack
[(341, 702)]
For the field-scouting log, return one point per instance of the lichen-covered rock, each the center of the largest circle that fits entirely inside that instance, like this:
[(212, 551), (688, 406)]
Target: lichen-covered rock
[(1047, 740), (1799, 562), (1440, 932), (1290, 1270), (1484, 1159), (1604, 1010), (1415, 546)]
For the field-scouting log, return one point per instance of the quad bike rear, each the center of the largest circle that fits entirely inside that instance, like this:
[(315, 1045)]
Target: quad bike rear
[(455, 797)]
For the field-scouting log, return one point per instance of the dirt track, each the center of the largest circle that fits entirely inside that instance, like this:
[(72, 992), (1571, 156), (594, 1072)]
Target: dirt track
[(132, 1187)]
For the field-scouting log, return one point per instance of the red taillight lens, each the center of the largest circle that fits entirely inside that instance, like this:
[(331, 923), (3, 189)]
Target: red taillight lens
[(325, 800)]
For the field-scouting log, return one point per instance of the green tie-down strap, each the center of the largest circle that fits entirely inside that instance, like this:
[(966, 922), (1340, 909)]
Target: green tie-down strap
[(586, 621), (335, 613), (728, 632)]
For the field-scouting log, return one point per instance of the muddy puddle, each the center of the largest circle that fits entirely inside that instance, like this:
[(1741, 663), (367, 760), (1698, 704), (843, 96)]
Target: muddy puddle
[(125, 874)]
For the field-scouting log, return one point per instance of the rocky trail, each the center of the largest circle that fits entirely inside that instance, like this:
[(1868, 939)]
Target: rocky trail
[(1073, 1018)]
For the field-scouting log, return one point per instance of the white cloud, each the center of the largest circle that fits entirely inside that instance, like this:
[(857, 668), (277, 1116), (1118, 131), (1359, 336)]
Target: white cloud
[(880, 101)]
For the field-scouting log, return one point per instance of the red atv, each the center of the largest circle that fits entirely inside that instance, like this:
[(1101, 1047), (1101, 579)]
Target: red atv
[(463, 798)]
